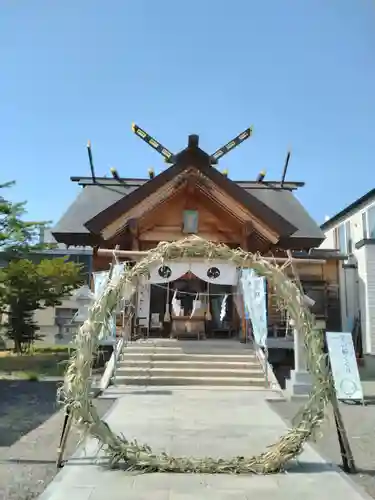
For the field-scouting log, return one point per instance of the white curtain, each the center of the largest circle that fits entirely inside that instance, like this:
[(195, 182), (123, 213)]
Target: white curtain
[(220, 273), (215, 272), (172, 271)]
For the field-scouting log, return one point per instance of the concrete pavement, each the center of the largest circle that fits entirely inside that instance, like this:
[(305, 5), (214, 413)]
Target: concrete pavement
[(199, 422)]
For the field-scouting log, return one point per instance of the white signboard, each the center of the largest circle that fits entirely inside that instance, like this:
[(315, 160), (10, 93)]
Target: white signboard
[(344, 366)]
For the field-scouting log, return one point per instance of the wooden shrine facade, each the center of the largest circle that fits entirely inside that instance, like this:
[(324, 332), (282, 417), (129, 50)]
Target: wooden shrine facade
[(193, 197)]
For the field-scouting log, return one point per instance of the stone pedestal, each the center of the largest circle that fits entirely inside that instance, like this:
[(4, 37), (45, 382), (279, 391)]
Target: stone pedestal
[(300, 382)]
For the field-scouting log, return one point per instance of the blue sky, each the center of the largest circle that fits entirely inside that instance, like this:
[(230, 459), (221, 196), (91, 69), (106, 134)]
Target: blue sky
[(301, 72)]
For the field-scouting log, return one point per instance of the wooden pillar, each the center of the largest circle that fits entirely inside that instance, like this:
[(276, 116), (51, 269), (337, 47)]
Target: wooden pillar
[(134, 231), (247, 229)]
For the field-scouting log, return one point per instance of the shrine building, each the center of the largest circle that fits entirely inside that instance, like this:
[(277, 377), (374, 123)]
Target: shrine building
[(191, 196)]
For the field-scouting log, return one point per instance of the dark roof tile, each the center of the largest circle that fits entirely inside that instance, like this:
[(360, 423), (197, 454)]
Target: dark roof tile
[(93, 199)]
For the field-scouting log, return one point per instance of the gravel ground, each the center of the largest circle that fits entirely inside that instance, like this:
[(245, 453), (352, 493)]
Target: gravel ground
[(30, 429), (359, 422)]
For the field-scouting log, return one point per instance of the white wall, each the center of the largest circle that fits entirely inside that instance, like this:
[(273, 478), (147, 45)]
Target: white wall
[(46, 322), (355, 219), (357, 286), (370, 250), (329, 243)]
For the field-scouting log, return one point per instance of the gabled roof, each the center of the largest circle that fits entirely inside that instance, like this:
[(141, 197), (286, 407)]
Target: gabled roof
[(348, 210), (96, 197), (308, 234), (255, 204)]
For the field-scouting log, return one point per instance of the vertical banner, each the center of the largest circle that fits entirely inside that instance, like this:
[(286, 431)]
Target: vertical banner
[(344, 366), (254, 293), (116, 273), (115, 277), (100, 283), (143, 302)]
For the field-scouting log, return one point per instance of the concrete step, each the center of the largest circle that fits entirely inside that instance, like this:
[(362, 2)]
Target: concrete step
[(191, 381), (184, 372), (155, 342), (193, 347), (174, 363), (219, 365), (129, 354), (227, 345), (140, 348)]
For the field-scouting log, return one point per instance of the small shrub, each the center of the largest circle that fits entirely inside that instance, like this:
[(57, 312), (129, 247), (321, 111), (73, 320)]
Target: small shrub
[(32, 376), (53, 349)]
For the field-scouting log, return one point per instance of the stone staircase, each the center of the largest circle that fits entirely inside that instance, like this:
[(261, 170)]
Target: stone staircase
[(189, 363)]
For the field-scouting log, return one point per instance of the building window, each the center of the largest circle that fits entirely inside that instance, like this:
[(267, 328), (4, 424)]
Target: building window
[(371, 222), (364, 225), (340, 238), (348, 236), (64, 315), (344, 238)]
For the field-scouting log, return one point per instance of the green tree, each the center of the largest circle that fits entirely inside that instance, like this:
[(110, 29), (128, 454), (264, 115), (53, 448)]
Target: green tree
[(18, 237), (27, 280)]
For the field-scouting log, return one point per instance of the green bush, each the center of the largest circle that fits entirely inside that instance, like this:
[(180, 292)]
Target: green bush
[(52, 349), (32, 376), (42, 363)]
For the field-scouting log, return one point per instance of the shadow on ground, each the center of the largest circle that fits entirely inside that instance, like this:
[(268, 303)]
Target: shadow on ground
[(367, 401), (24, 405), (296, 467), (282, 373)]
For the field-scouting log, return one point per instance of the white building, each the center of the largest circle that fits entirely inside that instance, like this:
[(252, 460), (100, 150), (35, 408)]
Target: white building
[(52, 320), (352, 231)]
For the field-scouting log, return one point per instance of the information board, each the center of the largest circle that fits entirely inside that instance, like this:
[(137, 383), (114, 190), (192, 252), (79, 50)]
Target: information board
[(344, 366)]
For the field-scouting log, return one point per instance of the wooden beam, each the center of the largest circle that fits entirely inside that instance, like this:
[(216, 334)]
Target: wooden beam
[(140, 254), (191, 184), (227, 236), (164, 194), (224, 216), (169, 234), (221, 222), (242, 212)]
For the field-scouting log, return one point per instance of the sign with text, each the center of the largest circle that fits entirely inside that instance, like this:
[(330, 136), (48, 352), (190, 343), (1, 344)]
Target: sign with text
[(344, 366)]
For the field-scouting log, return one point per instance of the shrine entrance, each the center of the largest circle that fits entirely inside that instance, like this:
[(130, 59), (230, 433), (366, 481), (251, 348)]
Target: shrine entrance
[(192, 308), (189, 300)]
